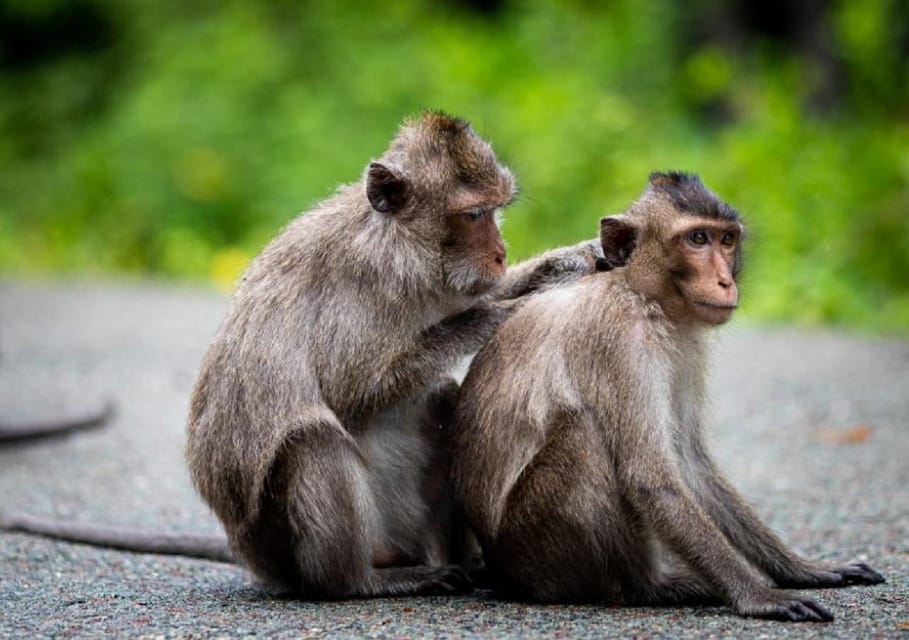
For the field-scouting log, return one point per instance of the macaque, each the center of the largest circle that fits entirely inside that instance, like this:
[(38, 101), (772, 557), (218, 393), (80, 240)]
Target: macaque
[(578, 450), (319, 421)]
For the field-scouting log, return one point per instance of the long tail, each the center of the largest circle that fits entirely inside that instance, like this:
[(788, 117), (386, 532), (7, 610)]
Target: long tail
[(209, 547), (56, 426)]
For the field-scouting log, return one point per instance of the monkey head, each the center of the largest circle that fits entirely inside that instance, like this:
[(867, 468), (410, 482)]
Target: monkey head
[(443, 186), (681, 246)]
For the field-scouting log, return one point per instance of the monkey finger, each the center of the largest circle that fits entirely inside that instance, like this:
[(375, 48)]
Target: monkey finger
[(816, 611), (802, 611), (859, 573), (776, 605), (830, 578)]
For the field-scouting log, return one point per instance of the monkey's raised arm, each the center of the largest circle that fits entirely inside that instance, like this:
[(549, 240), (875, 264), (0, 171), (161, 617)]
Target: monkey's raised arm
[(555, 267), (436, 349)]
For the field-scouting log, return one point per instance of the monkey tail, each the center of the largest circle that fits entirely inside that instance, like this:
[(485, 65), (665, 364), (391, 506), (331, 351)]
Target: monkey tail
[(57, 426), (208, 547)]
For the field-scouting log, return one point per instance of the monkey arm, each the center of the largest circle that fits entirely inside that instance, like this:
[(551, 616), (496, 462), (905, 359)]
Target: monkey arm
[(683, 525), (555, 267), (757, 542), (435, 351), (654, 491), (654, 486)]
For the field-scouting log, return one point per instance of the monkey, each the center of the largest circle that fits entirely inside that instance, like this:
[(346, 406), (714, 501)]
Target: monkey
[(314, 430), (318, 424), (578, 448)]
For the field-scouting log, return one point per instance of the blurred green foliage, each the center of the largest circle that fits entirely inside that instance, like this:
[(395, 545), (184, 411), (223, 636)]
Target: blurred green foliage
[(176, 138)]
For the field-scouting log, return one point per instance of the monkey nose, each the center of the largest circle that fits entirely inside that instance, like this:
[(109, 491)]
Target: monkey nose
[(725, 280), (729, 292)]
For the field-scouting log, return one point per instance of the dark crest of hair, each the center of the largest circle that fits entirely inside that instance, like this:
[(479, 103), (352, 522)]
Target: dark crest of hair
[(688, 194), (445, 124), (473, 162)]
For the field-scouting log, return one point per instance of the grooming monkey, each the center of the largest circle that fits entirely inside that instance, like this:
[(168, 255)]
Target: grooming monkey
[(578, 452), (314, 428), (318, 423)]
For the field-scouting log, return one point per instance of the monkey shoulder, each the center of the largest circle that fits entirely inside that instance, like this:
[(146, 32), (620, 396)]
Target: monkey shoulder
[(593, 325), (598, 303)]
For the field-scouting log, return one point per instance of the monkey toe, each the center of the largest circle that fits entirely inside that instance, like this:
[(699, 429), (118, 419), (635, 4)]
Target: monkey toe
[(806, 611), (454, 580), (786, 609), (445, 581)]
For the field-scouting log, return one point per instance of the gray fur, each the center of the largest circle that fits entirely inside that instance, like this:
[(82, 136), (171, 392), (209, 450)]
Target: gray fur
[(579, 453), (318, 422)]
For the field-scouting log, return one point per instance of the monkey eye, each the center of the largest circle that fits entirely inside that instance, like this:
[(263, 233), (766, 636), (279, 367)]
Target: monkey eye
[(475, 214), (728, 239), (698, 237)]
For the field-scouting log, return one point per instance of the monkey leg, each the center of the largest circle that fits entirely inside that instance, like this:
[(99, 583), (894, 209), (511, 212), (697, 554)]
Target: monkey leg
[(321, 531), (563, 523), (449, 539), (756, 541), (675, 588)]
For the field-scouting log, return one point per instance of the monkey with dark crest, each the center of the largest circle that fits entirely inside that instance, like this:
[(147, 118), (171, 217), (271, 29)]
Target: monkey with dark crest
[(318, 423), (578, 452)]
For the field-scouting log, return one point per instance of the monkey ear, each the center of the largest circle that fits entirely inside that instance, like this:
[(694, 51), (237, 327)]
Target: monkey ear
[(386, 190), (618, 237)]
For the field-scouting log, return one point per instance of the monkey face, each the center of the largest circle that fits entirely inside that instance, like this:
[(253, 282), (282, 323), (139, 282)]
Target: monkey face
[(444, 183), (684, 246), (706, 254), (473, 253)]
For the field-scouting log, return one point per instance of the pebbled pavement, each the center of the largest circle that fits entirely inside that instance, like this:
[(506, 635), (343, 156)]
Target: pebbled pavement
[(810, 425)]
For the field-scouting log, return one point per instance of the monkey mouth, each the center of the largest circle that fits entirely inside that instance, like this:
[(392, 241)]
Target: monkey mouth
[(717, 305)]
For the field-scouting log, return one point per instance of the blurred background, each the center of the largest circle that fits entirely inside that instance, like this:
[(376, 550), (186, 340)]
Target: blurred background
[(172, 139)]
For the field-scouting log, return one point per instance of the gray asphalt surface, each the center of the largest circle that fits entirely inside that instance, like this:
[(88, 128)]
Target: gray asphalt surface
[(811, 426)]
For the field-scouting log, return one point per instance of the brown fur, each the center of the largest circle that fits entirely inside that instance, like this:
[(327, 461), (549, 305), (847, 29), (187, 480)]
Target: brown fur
[(579, 453), (314, 429)]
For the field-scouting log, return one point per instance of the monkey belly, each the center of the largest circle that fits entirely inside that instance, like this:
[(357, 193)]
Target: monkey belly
[(411, 503)]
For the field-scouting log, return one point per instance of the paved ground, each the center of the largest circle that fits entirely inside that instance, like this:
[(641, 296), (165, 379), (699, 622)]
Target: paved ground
[(813, 427)]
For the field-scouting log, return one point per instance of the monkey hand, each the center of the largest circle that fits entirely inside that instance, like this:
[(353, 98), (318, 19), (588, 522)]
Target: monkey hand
[(779, 605), (859, 573), (821, 576), (553, 268), (569, 263), (500, 310)]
